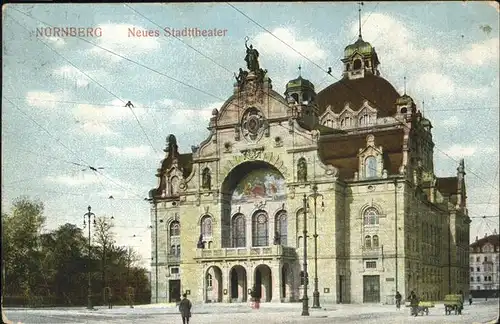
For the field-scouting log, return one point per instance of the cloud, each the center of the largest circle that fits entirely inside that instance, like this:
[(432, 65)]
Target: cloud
[(440, 85), (68, 72), (116, 38), (112, 112), (97, 129), (460, 151), (43, 99), (131, 151), (451, 122), (307, 47), (192, 117), (480, 53)]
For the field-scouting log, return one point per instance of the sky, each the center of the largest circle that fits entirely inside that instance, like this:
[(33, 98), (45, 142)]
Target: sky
[(63, 102)]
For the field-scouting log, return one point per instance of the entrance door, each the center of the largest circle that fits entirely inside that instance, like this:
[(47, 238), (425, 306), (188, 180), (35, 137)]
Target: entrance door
[(371, 289), (234, 284), (174, 290)]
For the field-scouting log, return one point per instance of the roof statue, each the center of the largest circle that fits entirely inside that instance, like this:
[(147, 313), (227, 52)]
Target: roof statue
[(252, 57)]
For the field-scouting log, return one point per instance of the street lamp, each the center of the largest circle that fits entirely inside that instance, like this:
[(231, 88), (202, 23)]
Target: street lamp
[(89, 285), (153, 200), (315, 195), (305, 299)]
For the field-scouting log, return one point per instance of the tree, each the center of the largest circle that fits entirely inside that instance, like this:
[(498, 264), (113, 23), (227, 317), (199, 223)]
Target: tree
[(20, 244), (104, 239)]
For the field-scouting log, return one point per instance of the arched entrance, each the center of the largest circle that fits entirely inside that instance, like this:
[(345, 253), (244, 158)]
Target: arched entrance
[(263, 283), (238, 284), (286, 282), (213, 285)]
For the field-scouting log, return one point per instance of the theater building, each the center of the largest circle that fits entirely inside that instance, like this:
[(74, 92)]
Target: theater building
[(353, 162)]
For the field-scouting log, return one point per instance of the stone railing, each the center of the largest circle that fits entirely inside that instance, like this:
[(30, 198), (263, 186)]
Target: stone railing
[(274, 251)]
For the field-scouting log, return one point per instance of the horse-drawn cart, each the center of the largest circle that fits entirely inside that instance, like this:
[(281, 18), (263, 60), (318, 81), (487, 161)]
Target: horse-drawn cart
[(423, 307), (453, 303)]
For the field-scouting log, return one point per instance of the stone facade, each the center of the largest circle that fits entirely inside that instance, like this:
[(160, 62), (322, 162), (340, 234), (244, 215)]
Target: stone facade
[(231, 215)]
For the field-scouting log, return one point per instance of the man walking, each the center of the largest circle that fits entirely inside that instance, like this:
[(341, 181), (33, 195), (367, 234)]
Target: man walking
[(185, 309), (398, 300)]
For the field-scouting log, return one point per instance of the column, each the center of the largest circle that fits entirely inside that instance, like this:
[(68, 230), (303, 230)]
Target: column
[(225, 271), (250, 279), (276, 282)]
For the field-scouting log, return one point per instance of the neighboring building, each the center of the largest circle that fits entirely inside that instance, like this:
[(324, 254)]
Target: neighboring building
[(230, 215), (485, 266)]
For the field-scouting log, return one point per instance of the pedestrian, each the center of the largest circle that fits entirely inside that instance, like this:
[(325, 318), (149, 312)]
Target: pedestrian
[(470, 299), (185, 309), (398, 300), (414, 303)]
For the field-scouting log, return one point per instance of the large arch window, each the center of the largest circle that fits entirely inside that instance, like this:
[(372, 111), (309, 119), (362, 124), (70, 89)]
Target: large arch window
[(371, 216), (238, 231), (260, 229), (175, 229), (206, 227), (281, 228), (371, 167)]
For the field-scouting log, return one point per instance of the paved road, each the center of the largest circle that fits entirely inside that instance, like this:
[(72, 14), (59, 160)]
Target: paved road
[(480, 312)]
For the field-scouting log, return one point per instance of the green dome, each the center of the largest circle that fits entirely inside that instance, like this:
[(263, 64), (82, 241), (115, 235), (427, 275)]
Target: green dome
[(360, 46), (404, 100), (299, 83)]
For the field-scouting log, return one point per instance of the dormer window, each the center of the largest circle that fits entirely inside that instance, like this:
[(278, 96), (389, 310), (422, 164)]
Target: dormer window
[(365, 120), (329, 123)]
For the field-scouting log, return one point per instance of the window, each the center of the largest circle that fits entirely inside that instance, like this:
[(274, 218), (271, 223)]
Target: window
[(281, 228), (239, 231), (485, 259), (478, 259), (371, 264), (478, 269), (489, 278), (478, 279), (371, 216), (471, 269), (206, 226), (174, 270), (329, 123), (175, 228), (346, 122), (368, 242), (302, 278), (478, 288), (174, 181), (209, 280), (357, 64), (370, 167), (259, 229), (365, 120), (485, 278), (172, 250), (375, 241), (178, 250)]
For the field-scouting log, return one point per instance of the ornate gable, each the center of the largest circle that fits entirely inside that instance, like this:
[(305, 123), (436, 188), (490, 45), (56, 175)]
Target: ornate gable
[(371, 161)]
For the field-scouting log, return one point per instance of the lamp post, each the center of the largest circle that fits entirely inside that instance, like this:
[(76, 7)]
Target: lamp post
[(89, 284), (305, 299), (315, 195), (153, 200)]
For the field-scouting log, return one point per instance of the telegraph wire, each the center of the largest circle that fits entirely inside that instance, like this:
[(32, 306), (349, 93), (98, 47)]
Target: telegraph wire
[(202, 91), (88, 76)]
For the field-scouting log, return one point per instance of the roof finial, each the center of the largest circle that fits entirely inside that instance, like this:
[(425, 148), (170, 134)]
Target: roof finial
[(405, 84), (359, 17), (300, 68)]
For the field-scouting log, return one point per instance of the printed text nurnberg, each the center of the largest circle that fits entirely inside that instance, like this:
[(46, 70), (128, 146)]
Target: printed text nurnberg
[(173, 32), (69, 32)]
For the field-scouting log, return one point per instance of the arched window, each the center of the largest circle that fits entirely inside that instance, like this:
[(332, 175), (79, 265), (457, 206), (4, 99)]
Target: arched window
[(175, 229), (209, 280), (281, 228), (295, 97), (174, 184), (172, 250), (357, 64), (346, 122), (368, 242), (489, 278), (371, 216), (300, 242), (178, 250), (260, 229), (364, 120), (329, 123), (375, 241), (371, 167), (302, 170), (206, 226), (239, 231)]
